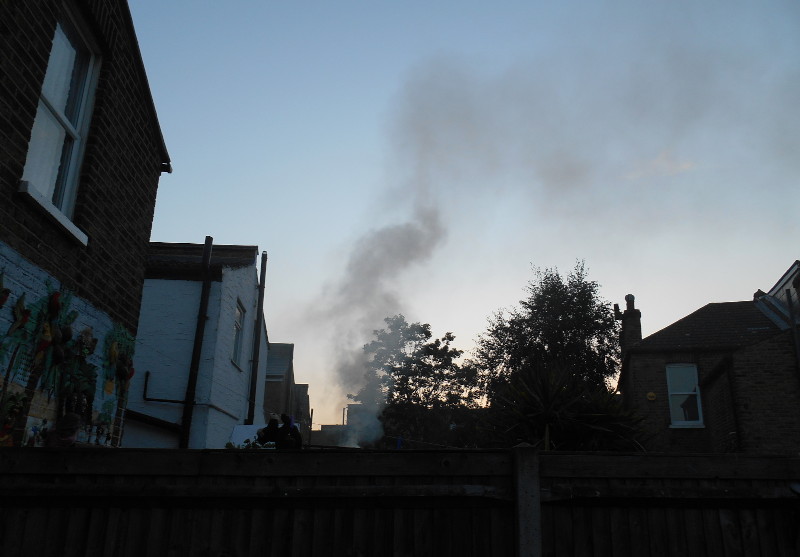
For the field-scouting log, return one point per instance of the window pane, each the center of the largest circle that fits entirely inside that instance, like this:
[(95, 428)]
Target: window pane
[(58, 79), (682, 379), (44, 152), (683, 408)]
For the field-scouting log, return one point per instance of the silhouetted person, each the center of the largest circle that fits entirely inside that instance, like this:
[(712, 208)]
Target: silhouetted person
[(289, 434), (270, 433)]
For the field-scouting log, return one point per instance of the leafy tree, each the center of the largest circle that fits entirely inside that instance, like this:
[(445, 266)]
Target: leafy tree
[(546, 366), (405, 365), (416, 380), (562, 320)]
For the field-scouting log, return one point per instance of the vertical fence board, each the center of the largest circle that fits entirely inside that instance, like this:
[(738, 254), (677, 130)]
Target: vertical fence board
[(302, 532), (712, 532), (676, 531), (640, 540), (620, 533), (787, 524), (563, 530), (657, 532), (749, 526), (502, 540), (258, 531), (548, 530), (581, 531), (77, 531), (402, 532), (731, 532), (601, 530), (14, 523), (693, 526), (280, 532), (423, 531), (35, 521), (767, 542)]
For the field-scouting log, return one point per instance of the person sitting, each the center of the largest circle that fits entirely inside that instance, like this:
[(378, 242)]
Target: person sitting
[(270, 433), (289, 434)]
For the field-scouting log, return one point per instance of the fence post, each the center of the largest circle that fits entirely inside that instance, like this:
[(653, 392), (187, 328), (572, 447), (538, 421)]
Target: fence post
[(528, 502)]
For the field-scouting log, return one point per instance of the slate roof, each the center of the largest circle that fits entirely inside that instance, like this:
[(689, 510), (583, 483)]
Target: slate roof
[(714, 326)]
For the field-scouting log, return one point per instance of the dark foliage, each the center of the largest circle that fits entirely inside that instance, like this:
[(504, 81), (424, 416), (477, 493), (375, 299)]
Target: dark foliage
[(546, 368), (416, 383), (561, 320), (554, 408)]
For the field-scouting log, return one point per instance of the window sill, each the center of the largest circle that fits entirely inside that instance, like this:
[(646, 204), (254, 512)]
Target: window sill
[(53, 212), (687, 426)]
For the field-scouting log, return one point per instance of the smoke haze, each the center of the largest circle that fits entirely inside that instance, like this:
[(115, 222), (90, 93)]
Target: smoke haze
[(653, 128)]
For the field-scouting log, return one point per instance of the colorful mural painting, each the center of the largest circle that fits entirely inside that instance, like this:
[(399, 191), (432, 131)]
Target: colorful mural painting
[(54, 381)]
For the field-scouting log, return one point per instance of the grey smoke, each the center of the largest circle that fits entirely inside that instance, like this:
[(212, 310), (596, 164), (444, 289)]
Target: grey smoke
[(366, 292), (575, 127)]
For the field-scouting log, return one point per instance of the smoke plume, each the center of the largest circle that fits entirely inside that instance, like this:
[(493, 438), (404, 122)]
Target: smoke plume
[(567, 130)]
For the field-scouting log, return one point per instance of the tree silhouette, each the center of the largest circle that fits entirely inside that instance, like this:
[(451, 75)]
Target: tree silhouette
[(546, 367)]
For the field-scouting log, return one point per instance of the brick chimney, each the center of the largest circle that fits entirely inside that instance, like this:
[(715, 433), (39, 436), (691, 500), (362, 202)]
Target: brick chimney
[(631, 318)]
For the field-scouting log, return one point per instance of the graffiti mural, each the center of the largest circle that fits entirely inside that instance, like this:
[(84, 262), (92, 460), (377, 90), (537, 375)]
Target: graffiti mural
[(65, 366)]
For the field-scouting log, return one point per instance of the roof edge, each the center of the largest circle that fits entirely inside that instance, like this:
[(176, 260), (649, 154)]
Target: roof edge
[(166, 163)]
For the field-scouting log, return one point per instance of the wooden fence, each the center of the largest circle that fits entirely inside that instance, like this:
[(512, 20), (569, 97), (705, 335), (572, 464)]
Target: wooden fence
[(407, 503)]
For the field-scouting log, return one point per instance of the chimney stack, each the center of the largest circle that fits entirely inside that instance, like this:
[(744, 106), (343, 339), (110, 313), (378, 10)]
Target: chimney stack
[(631, 318)]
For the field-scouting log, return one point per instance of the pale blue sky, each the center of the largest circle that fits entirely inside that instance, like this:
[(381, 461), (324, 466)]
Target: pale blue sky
[(443, 148)]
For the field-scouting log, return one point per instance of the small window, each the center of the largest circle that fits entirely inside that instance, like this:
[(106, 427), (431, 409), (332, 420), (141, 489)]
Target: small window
[(58, 136), (684, 395), (238, 322)]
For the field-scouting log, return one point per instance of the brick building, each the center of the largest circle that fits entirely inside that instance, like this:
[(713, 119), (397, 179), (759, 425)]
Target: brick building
[(81, 154), (722, 379)]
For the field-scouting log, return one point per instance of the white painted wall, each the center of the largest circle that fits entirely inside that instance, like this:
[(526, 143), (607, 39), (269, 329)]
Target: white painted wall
[(164, 346)]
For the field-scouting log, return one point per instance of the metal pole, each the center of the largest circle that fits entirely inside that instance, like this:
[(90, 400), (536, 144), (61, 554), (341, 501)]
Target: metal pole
[(194, 366)]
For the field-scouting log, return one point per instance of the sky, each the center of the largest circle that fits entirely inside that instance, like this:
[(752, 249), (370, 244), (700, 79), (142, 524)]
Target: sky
[(424, 158)]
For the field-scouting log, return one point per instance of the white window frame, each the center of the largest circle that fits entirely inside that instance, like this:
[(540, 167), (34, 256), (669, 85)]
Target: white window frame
[(238, 333), (674, 393), (53, 164)]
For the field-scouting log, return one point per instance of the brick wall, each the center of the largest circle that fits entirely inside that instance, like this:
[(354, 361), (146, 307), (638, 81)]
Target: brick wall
[(646, 373), (749, 399), (719, 409), (768, 390), (122, 163)]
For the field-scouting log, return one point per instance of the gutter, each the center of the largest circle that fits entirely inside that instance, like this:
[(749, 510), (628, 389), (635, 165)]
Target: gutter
[(251, 407)]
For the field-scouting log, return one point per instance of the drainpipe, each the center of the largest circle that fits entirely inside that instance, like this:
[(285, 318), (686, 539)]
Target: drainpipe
[(251, 408), (194, 366)]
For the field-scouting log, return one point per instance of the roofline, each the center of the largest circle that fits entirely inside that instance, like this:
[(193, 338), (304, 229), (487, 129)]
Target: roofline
[(190, 245), (166, 163), (183, 261), (778, 286)]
